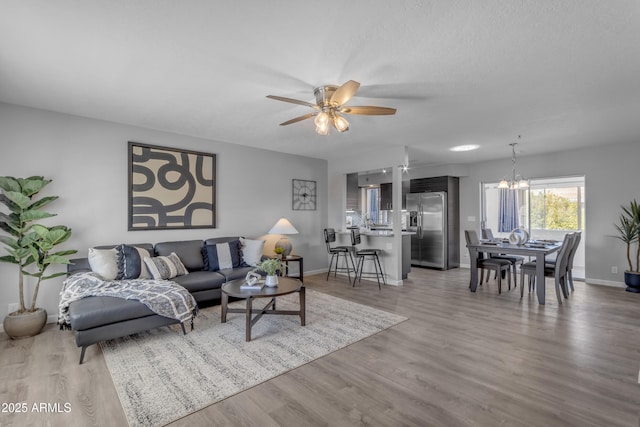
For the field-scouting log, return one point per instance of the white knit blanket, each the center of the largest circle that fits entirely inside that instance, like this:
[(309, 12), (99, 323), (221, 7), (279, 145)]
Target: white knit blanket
[(163, 297)]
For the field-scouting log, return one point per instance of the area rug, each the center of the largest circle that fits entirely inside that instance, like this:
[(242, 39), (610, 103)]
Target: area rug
[(163, 375)]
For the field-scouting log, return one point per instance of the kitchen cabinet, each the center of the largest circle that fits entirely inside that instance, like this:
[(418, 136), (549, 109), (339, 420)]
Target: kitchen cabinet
[(386, 196), (353, 192), (405, 189)]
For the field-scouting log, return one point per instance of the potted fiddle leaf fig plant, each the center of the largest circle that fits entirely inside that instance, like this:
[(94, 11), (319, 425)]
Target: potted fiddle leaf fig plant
[(30, 246), (628, 228), (270, 266)]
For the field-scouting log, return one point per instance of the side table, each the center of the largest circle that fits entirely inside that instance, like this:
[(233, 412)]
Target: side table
[(294, 258)]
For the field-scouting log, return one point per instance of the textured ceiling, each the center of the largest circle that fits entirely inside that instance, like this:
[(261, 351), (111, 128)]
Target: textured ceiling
[(562, 74)]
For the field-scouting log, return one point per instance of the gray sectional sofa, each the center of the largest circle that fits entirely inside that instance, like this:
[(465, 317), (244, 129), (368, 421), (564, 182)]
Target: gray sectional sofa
[(99, 318)]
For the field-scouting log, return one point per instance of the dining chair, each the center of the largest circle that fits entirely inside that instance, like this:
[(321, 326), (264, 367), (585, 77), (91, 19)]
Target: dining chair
[(336, 252), (492, 264), (552, 262), (576, 241), (362, 255), (558, 270), (513, 259)]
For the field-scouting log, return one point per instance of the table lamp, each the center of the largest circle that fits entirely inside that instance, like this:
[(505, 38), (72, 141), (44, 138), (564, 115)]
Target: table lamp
[(283, 227)]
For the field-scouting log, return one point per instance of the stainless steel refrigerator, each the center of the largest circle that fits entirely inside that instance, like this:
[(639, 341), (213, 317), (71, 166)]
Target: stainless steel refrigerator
[(428, 220)]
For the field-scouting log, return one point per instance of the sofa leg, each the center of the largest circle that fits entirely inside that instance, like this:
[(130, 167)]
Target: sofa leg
[(82, 354), (184, 331)]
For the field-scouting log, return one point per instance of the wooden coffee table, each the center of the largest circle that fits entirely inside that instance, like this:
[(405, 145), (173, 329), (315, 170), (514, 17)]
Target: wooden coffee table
[(285, 286)]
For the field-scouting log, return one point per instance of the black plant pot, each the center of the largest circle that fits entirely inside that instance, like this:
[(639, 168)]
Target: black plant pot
[(632, 280)]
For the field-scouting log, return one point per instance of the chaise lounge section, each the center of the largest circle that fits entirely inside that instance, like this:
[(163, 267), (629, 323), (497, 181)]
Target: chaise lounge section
[(99, 318)]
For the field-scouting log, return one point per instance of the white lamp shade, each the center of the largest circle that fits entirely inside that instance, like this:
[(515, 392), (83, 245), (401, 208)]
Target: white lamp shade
[(283, 226)]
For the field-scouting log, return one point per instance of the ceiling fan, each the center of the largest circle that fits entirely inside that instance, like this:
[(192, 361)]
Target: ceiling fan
[(330, 106)]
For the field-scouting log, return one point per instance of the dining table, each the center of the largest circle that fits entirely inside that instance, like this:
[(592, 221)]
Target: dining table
[(538, 250)]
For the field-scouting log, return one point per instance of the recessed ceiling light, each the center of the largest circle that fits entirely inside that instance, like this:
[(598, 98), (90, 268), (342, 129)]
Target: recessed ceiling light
[(469, 147)]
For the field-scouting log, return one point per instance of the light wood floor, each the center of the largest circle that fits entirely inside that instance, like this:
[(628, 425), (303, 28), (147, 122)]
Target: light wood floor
[(462, 359)]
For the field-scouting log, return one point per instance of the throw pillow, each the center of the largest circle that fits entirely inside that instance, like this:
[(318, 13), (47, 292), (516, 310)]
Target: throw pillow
[(224, 255), (131, 264), (104, 262), (252, 251), (165, 267)]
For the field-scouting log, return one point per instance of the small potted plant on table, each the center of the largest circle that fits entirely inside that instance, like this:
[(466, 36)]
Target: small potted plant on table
[(279, 251), (270, 266)]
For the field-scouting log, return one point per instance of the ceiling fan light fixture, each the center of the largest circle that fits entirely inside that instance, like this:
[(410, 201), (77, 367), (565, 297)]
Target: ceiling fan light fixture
[(330, 101), (340, 123), (322, 119), (322, 129)]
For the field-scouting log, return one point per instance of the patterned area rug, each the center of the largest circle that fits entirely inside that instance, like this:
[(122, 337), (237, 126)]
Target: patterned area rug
[(163, 375)]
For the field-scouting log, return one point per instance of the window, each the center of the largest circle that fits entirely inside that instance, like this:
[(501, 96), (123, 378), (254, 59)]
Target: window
[(550, 208), (557, 206), (373, 204)]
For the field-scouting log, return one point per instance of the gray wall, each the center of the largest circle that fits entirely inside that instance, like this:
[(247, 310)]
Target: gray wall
[(87, 160), (612, 178)]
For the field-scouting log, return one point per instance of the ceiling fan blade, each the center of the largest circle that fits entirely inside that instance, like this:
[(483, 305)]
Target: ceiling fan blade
[(293, 101), (344, 93), (298, 119), (368, 111)]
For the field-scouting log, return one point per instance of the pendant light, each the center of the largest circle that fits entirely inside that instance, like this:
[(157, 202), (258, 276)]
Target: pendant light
[(517, 181)]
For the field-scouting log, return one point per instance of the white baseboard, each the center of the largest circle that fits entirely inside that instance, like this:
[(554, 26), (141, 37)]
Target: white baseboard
[(371, 279), (316, 272), (605, 283)]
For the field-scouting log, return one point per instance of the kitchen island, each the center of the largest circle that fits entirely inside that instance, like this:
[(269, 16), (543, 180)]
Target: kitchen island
[(383, 240)]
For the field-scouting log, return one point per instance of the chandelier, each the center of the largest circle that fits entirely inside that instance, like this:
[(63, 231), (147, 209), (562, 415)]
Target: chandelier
[(517, 181)]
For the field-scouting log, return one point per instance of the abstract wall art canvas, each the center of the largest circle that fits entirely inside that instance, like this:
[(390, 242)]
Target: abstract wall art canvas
[(170, 188)]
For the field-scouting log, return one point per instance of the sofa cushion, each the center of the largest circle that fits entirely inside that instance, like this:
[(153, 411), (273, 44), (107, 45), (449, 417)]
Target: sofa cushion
[(235, 273), (223, 255), (165, 267), (131, 262), (251, 251), (104, 262), (197, 281), (189, 252), (91, 312), (216, 240)]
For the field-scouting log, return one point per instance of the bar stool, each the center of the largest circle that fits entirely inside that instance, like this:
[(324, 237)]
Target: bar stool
[(362, 255), (336, 252)]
